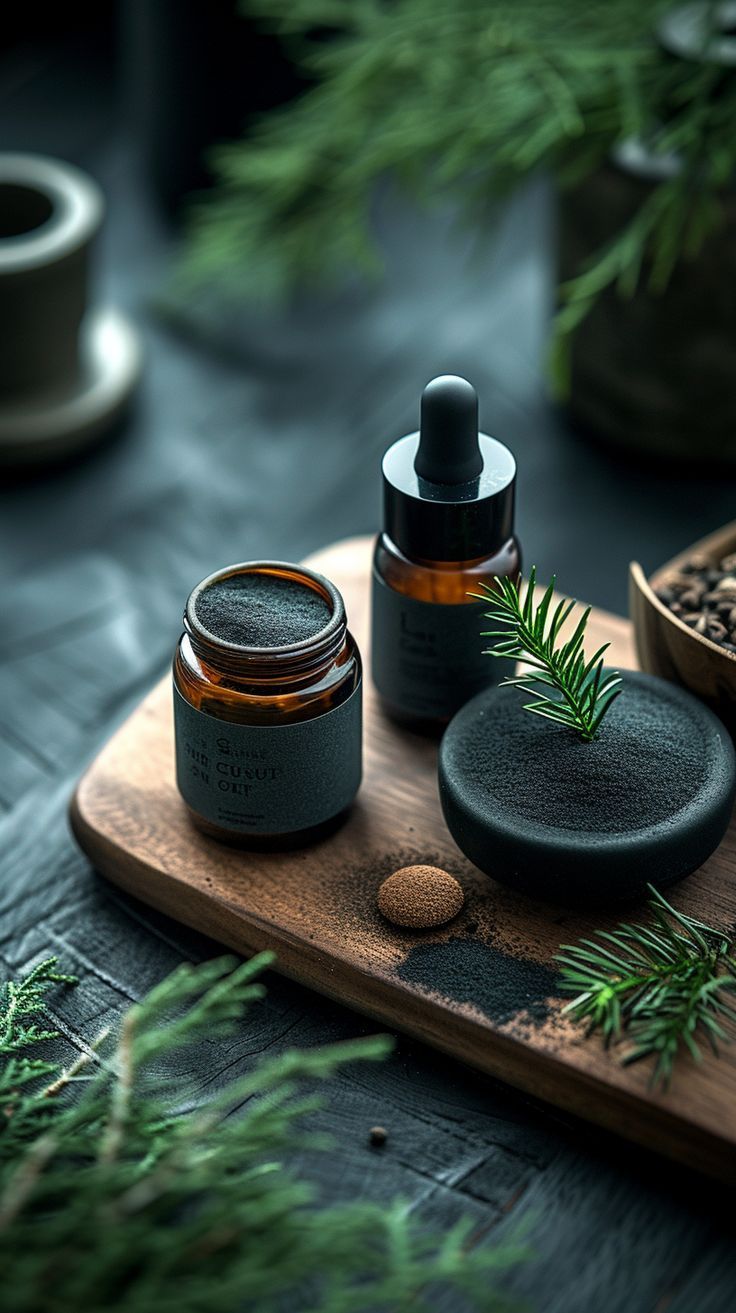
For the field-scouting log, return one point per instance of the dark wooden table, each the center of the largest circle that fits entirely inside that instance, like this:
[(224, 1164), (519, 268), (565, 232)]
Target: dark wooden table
[(263, 438)]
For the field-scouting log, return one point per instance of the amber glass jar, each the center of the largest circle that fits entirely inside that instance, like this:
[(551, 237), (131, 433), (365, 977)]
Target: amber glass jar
[(448, 495), (267, 701)]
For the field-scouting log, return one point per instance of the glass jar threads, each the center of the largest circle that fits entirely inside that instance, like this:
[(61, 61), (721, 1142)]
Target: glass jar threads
[(267, 705)]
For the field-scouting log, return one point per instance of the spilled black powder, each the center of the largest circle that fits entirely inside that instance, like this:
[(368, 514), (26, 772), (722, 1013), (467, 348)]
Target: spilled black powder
[(469, 971), (649, 761), (262, 610)]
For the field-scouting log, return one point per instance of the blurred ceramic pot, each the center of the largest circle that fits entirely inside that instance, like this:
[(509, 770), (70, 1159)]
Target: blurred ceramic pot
[(654, 373), (66, 370)]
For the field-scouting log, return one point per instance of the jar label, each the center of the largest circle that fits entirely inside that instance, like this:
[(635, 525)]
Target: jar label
[(268, 779), (427, 657)]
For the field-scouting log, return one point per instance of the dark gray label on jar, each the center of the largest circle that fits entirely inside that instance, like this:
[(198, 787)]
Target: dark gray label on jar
[(268, 779), (428, 658)]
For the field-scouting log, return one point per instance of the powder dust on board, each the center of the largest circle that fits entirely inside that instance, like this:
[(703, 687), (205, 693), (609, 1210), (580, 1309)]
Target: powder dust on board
[(470, 971)]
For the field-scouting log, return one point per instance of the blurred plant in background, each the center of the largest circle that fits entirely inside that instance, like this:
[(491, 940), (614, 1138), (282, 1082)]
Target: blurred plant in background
[(466, 100)]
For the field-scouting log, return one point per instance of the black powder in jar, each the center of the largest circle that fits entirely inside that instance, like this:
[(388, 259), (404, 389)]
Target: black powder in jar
[(256, 609)]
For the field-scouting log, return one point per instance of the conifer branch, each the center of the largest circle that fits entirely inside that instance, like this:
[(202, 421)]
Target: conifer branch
[(119, 1201), (581, 692), (665, 986)]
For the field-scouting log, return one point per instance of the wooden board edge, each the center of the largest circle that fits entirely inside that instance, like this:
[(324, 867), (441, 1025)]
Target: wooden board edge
[(552, 1082)]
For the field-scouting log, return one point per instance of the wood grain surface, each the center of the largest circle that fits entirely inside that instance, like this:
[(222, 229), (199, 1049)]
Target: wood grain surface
[(316, 909)]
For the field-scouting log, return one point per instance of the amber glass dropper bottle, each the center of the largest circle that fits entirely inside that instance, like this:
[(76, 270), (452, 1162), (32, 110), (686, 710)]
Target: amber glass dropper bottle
[(448, 494)]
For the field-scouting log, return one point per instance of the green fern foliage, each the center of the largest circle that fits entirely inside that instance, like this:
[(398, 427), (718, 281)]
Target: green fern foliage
[(119, 1190), (569, 688), (25, 1107)]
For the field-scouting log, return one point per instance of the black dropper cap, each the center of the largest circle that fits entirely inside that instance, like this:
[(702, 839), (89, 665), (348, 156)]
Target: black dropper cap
[(448, 490)]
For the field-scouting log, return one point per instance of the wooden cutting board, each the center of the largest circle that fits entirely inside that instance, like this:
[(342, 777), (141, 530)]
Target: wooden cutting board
[(483, 989)]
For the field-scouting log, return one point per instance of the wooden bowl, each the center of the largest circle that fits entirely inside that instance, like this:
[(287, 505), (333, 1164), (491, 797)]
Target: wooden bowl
[(668, 647)]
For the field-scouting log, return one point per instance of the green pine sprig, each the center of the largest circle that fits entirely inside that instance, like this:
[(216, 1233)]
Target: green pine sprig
[(570, 688), (665, 986), (122, 1187)]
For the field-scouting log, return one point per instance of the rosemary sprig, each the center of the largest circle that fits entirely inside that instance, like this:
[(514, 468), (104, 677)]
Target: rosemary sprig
[(581, 692), (663, 985)]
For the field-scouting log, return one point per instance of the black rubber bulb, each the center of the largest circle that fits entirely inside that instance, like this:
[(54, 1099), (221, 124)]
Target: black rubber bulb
[(448, 450)]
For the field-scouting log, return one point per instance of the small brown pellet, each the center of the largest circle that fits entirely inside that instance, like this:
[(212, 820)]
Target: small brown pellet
[(420, 897)]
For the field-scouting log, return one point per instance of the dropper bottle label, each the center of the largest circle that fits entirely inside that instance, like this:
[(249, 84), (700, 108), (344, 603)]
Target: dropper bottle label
[(448, 526), (428, 659)]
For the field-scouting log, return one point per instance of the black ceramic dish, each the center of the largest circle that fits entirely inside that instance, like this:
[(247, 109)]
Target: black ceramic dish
[(580, 823)]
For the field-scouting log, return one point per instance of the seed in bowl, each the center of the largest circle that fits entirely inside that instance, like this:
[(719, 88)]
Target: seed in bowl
[(703, 595)]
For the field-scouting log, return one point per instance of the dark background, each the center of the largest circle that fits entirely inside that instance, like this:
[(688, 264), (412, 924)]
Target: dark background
[(259, 433)]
